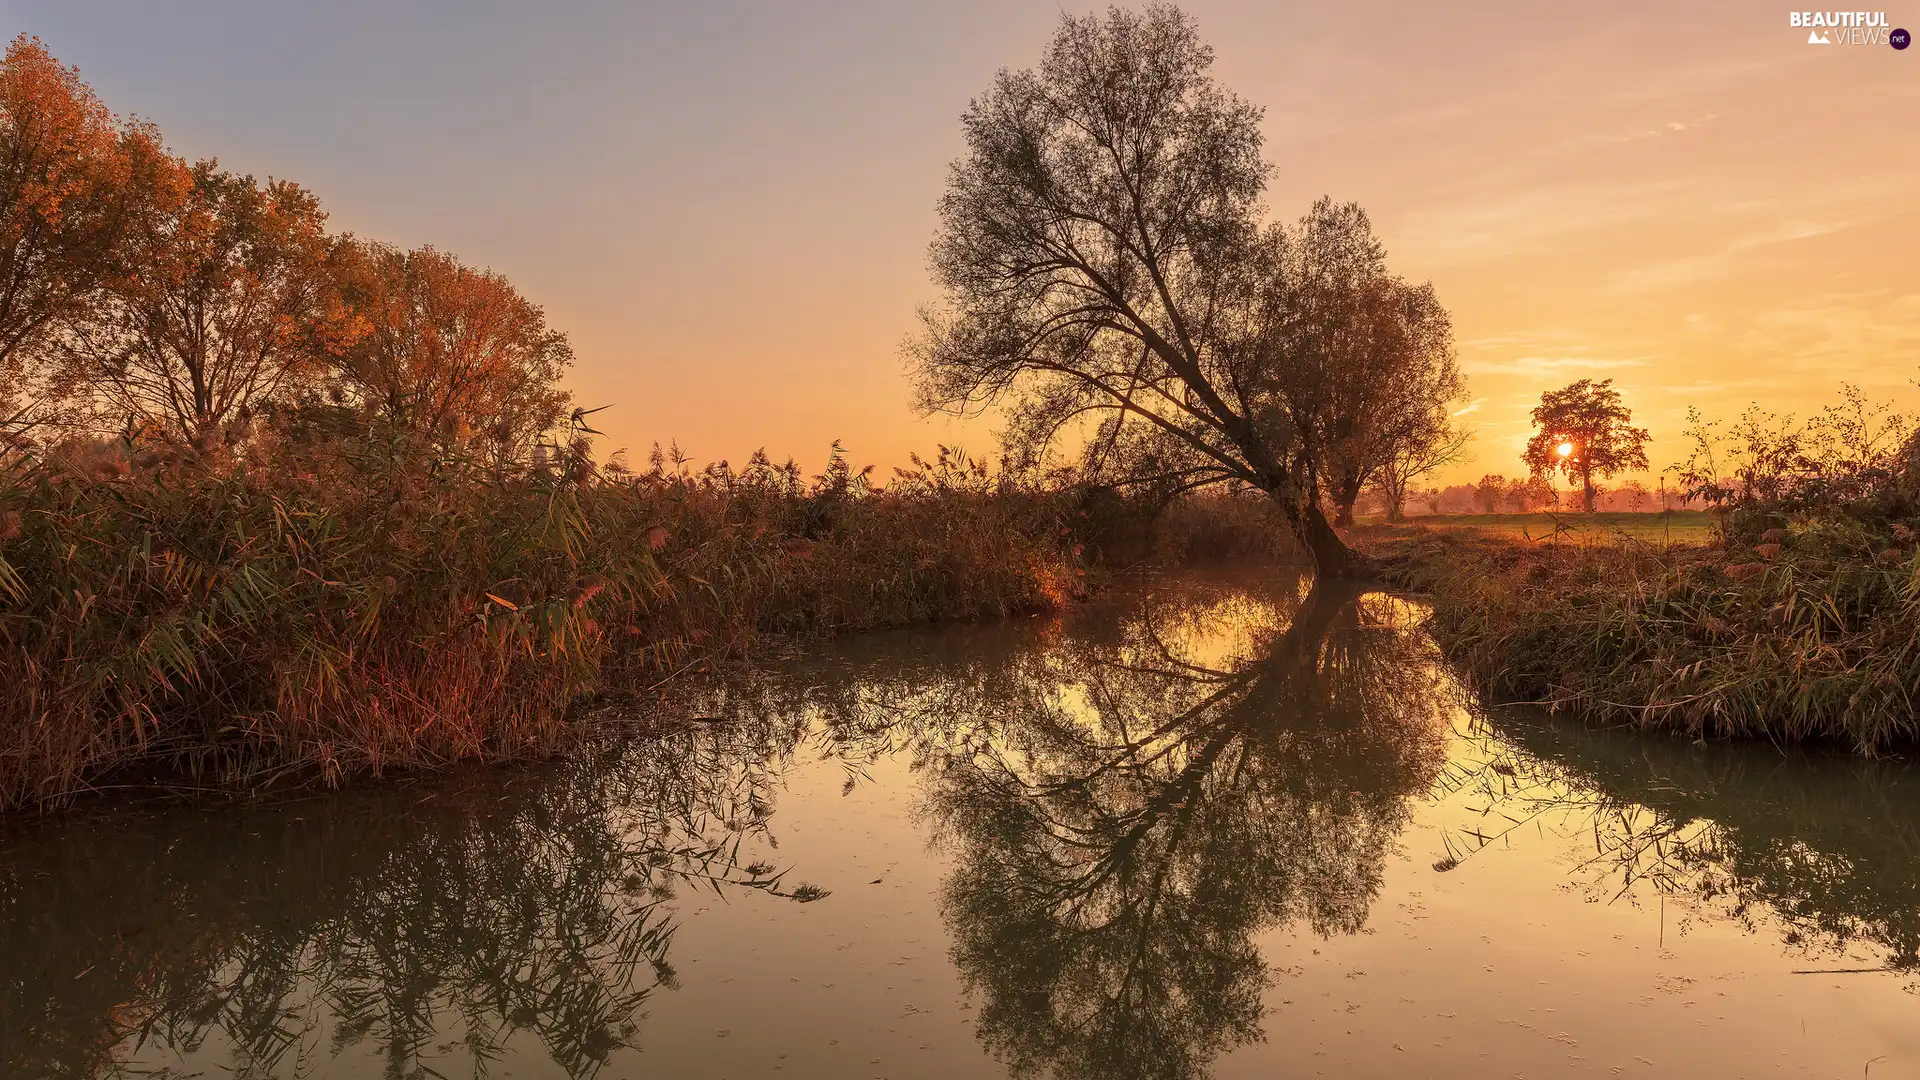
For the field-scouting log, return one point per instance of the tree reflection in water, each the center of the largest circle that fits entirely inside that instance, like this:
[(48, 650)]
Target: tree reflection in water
[(420, 924), (1821, 848), (1130, 799), (1142, 810)]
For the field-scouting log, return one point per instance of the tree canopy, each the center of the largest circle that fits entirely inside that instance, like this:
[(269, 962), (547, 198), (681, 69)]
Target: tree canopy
[(448, 351), (1103, 260), (141, 293), (75, 185), (1584, 429)]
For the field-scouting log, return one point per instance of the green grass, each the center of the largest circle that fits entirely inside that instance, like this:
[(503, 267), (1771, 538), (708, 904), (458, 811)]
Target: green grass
[(1677, 526)]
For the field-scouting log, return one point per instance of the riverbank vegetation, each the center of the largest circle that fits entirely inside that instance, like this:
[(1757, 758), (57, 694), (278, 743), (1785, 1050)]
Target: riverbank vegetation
[(281, 503), (229, 618), (1659, 529), (1801, 620)]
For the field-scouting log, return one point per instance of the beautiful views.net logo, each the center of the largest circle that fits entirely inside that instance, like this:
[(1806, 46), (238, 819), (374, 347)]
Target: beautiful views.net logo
[(1842, 27)]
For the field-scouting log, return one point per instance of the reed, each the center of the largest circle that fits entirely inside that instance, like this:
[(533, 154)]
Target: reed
[(297, 610), (1811, 634)]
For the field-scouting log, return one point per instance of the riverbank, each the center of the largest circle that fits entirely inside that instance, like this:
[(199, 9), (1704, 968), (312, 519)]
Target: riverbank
[(1656, 528), (220, 620), (1813, 634)]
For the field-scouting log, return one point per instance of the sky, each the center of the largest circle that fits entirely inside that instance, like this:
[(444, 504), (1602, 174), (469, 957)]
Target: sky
[(727, 205)]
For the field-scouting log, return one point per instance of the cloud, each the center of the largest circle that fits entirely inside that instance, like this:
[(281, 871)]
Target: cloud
[(1471, 407), (1865, 337), (1505, 222), (1692, 269), (1536, 366)]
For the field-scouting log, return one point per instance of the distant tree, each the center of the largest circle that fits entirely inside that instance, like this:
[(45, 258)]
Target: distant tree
[(1524, 494), (1668, 497), (1634, 494), (1489, 491), (74, 184), (1101, 259), (1412, 460), (446, 350), (1583, 430), (1516, 495), (229, 308), (1434, 500)]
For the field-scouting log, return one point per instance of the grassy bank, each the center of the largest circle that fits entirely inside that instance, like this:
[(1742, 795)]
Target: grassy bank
[(1656, 528), (297, 612), (1813, 633)]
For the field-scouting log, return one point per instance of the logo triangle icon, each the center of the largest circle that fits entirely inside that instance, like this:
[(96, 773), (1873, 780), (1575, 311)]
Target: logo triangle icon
[(1815, 37)]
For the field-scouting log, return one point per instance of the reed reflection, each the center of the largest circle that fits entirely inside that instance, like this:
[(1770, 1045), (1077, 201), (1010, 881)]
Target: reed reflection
[(423, 929), (1146, 805)]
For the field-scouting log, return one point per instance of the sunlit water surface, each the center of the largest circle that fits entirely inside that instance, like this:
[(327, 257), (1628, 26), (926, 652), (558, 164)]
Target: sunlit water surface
[(1201, 828)]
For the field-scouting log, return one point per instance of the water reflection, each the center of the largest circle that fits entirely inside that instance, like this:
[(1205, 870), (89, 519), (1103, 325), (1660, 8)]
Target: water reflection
[(1818, 849), (412, 926), (1125, 805), (1143, 812)]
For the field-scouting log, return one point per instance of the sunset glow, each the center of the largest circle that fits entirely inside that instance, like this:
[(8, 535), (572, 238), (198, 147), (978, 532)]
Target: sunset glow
[(1099, 525), (727, 207)]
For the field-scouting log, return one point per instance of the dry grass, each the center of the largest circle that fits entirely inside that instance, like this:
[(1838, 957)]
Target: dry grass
[(1812, 634), (291, 612)]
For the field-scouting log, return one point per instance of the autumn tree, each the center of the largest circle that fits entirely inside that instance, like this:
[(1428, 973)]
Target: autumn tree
[(1101, 259), (230, 307), (1583, 430), (446, 350), (74, 184)]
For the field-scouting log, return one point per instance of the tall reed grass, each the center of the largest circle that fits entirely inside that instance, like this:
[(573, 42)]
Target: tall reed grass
[(295, 608), (1811, 634)]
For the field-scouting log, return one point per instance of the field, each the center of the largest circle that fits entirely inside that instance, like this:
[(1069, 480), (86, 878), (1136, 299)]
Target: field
[(1657, 529)]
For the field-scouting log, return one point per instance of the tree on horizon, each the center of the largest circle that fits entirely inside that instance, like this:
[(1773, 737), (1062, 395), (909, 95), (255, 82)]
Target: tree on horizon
[(1582, 430)]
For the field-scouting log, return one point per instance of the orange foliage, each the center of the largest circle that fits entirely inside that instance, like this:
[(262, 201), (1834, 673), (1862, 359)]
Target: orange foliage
[(447, 350)]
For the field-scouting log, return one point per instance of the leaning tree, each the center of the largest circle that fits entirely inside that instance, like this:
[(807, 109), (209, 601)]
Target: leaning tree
[(1584, 429), (1104, 266)]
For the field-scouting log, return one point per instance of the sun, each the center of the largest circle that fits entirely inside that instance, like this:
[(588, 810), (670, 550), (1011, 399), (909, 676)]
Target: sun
[(1565, 449)]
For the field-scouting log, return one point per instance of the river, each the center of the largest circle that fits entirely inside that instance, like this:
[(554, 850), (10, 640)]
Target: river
[(1202, 827)]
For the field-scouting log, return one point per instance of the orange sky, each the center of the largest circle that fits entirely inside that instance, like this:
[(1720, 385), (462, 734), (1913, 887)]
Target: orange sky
[(727, 205)]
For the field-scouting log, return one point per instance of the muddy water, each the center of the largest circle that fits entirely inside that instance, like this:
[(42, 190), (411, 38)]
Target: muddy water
[(1203, 828)]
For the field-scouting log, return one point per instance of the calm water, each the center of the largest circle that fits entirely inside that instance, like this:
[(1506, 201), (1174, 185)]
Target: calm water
[(1199, 829)]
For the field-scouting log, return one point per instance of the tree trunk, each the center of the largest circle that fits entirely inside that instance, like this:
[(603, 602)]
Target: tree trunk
[(1345, 493), (1332, 558), (1313, 620), (1586, 489)]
